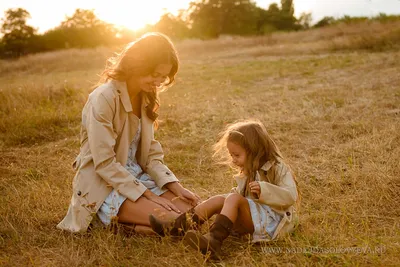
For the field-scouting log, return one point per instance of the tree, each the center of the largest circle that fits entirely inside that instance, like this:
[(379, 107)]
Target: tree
[(276, 18), (81, 19), (325, 21), (211, 18), (287, 18), (305, 20), (173, 26), (270, 19), (17, 35), (82, 29), (205, 18)]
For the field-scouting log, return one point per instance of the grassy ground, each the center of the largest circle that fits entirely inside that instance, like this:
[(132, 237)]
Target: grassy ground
[(332, 105)]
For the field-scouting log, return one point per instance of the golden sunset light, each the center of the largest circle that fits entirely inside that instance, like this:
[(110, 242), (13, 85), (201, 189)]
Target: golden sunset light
[(276, 143), (133, 15), (130, 14), (136, 14)]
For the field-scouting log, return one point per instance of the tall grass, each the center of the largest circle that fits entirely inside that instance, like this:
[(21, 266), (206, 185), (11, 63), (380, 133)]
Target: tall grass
[(42, 95), (333, 111), (34, 113), (369, 36)]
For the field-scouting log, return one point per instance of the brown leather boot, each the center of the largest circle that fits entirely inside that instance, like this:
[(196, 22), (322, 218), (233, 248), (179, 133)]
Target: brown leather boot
[(211, 241), (177, 227)]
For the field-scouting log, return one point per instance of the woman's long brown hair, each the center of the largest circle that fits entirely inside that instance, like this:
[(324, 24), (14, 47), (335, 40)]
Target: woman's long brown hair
[(140, 58)]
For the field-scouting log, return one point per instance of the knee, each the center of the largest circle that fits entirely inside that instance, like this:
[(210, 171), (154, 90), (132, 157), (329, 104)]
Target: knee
[(234, 198), (218, 199)]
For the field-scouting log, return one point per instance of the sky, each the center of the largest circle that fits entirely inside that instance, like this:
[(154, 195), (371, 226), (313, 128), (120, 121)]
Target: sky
[(135, 14)]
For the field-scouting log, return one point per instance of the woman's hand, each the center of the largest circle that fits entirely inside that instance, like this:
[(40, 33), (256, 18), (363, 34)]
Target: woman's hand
[(163, 202), (255, 188), (189, 197), (183, 193)]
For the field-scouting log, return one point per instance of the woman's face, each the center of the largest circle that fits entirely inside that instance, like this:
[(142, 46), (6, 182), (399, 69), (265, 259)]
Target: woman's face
[(150, 82)]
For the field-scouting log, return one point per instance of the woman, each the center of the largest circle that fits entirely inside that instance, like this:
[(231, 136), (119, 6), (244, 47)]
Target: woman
[(120, 175)]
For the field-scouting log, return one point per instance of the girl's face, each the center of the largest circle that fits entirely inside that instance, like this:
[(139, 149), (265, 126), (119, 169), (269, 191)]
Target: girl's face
[(237, 153), (150, 82)]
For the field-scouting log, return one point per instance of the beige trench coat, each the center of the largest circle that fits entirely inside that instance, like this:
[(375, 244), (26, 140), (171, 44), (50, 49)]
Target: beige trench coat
[(108, 127), (280, 197)]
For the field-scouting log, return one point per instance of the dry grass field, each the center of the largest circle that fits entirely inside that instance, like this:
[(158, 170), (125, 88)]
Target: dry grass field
[(329, 97)]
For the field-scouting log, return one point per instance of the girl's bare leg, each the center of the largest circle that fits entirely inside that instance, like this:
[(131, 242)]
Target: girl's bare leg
[(204, 210), (209, 207), (236, 208)]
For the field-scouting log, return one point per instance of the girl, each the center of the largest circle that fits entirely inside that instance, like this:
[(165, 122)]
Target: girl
[(120, 174), (263, 203)]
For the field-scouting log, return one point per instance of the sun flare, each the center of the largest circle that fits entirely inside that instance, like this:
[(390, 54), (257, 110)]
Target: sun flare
[(132, 15)]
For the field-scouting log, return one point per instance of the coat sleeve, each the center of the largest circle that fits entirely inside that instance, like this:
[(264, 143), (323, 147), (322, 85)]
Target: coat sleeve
[(282, 195), (102, 139), (156, 167)]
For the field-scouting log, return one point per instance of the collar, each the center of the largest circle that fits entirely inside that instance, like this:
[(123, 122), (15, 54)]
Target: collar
[(264, 167), (122, 90), (267, 165)]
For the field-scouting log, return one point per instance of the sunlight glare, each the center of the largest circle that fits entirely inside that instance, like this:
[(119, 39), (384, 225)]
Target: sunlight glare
[(132, 15)]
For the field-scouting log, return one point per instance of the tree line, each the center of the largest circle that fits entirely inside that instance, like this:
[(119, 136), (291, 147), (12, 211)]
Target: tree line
[(204, 19)]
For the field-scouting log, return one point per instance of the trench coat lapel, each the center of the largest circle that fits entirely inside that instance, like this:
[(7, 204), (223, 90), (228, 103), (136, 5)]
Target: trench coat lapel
[(147, 134), (132, 122)]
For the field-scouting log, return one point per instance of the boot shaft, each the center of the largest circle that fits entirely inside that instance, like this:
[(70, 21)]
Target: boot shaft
[(212, 241), (221, 228), (177, 227)]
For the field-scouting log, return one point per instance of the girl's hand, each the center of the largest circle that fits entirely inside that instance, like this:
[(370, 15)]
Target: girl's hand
[(183, 193), (255, 188), (165, 203)]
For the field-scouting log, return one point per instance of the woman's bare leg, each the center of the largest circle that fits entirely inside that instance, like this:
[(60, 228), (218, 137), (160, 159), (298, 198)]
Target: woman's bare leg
[(138, 212), (182, 205)]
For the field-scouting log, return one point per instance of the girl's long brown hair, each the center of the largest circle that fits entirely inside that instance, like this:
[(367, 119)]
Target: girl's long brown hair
[(254, 138), (140, 58)]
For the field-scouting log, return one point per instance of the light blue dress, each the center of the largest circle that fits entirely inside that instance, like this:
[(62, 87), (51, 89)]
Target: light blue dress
[(265, 220), (114, 200)]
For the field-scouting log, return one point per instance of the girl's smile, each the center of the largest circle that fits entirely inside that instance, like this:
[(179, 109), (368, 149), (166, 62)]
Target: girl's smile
[(237, 153)]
